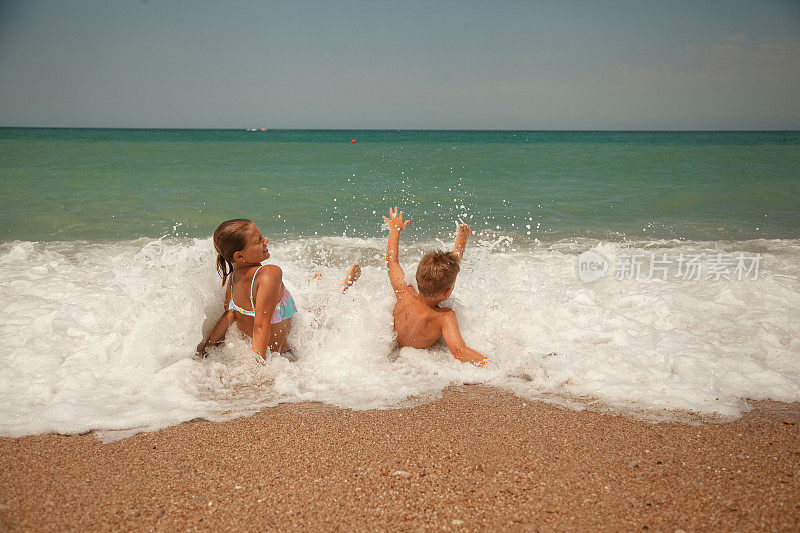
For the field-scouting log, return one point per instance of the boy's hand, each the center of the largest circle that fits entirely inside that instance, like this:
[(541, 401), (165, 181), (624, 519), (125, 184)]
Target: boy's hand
[(395, 220), (462, 234)]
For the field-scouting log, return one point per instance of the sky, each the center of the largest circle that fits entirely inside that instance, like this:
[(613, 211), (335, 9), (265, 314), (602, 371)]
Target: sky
[(537, 65)]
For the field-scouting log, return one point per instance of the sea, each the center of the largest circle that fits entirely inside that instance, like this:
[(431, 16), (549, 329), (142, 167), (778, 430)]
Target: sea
[(653, 273)]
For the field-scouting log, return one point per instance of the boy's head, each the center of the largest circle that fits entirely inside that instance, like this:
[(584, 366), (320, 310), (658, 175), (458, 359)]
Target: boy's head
[(436, 273)]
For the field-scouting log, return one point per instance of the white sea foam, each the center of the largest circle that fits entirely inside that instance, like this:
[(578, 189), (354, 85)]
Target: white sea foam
[(100, 336)]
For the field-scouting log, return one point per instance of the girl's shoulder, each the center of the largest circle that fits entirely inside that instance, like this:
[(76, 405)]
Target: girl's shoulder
[(268, 275), (267, 282), (269, 271)]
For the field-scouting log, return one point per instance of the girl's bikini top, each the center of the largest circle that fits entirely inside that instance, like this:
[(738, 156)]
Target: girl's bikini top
[(233, 307)]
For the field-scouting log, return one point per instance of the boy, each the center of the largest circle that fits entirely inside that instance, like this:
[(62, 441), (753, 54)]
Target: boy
[(418, 319)]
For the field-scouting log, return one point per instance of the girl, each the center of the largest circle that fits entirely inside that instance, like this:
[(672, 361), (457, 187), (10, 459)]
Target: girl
[(265, 307)]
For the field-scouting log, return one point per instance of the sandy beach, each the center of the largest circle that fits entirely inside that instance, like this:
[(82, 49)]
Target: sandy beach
[(477, 459)]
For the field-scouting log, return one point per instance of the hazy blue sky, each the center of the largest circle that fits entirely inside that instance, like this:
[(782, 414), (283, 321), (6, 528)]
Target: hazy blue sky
[(452, 65)]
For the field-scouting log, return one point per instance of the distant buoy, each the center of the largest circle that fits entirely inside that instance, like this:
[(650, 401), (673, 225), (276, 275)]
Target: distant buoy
[(263, 129), (353, 141)]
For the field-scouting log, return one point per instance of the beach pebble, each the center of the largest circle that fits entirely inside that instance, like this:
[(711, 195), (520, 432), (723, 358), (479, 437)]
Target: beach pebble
[(457, 522), (401, 473), (633, 464)]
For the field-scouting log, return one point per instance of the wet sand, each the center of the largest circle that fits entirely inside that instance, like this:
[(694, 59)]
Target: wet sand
[(477, 459)]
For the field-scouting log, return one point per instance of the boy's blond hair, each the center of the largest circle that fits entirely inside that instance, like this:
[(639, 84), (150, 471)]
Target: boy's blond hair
[(436, 272)]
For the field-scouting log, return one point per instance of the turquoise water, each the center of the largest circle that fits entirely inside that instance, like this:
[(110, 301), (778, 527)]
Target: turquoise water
[(112, 184)]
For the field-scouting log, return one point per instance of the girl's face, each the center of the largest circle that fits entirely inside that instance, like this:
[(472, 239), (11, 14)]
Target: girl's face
[(256, 249)]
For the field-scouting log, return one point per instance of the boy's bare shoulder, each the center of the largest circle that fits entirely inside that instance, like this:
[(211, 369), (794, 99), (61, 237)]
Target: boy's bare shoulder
[(444, 314), (407, 290)]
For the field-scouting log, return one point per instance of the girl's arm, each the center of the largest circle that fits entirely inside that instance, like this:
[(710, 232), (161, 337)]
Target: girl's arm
[(268, 293), (217, 333), (464, 231), (396, 276)]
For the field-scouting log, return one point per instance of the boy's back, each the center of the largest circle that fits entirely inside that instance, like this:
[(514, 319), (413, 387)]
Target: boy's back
[(417, 325), (418, 319)]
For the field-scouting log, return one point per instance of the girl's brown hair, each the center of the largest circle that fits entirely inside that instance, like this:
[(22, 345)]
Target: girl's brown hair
[(229, 238)]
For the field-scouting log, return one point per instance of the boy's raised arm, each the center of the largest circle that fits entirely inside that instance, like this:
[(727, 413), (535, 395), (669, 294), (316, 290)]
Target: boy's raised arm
[(464, 231), (396, 276), (459, 349)]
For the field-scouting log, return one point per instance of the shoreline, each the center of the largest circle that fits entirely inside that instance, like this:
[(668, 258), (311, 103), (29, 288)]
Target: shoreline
[(476, 459)]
